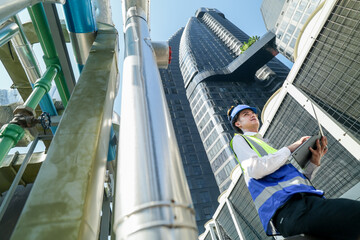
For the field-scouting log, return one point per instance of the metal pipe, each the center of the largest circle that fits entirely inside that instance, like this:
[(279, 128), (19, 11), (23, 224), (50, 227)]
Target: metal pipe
[(38, 17), (82, 27), (9, 8), (17, 179), (8, 31), (41, 87), (10, 135), (25, 53), (152, 197)]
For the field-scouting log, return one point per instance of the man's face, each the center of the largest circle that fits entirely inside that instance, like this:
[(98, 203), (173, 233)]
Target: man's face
[(248, 120)]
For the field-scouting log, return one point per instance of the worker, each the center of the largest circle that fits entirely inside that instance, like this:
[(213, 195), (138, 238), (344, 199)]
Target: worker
[(286, 201)]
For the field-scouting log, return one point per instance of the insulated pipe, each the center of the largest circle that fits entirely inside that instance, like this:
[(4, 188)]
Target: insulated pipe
[(82, 27), (38, 17), (8, 31), (152, 197), (9, 8)]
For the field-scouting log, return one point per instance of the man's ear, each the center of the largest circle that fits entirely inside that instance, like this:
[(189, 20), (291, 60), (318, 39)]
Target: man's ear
[(237, 124)]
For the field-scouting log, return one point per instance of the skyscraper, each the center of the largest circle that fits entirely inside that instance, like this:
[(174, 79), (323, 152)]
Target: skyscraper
[(207, 76)]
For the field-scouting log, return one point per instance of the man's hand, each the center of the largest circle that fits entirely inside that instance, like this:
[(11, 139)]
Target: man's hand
[(296, 144), (319, 152)]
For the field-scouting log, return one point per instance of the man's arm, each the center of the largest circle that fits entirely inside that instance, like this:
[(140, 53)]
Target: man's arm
[(255, 166)]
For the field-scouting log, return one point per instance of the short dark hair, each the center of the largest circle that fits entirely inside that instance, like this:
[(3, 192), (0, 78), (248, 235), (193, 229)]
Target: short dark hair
[(236, 117)]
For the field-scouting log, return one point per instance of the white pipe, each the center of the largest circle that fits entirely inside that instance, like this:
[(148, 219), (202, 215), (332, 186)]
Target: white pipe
[(152, 199)]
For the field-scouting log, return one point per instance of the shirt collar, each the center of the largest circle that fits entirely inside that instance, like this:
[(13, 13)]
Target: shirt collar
[(254, 134)]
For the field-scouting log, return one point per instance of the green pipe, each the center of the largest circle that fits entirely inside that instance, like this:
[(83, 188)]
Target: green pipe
[(42, 29), (41, 87), (10, 135)]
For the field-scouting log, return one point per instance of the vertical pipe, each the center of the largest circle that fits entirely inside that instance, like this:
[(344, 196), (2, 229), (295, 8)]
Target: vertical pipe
[(152, 197), (235, 221), (81, 23), (38, 17)]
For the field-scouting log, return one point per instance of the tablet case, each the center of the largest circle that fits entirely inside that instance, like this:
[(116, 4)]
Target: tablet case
[(302, 154)]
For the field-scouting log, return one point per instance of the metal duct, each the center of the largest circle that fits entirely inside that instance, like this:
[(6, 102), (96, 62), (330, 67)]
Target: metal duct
[(152, 197)]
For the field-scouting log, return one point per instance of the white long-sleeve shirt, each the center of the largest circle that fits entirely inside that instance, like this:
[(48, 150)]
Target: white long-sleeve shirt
[(258, 167)]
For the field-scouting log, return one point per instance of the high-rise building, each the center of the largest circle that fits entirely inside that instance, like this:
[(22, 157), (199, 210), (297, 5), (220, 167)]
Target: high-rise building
[(325, 79), (209, 73), (286, 19)]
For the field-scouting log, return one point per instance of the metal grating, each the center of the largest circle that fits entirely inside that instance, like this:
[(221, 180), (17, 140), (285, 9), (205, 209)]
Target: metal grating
[(330, 73), (245, 211), (225, 221), (339, 169)]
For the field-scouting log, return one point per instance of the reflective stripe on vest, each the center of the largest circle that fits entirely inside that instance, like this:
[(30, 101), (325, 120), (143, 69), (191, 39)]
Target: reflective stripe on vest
[(269, 191)]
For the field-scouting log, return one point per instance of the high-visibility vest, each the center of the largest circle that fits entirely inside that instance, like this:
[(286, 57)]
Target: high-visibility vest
[(274, 190)]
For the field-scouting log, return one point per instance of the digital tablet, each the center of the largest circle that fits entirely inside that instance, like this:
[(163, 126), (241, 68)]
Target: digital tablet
[(302, 154)]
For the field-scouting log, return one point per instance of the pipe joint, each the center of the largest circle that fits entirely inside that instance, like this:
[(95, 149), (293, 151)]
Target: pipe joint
[(45, 81), (52, 62), (135, 12), (24, 116), (12, 131)]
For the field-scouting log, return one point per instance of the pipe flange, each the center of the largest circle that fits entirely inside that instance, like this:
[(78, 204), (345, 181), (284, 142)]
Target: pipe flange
[(24, 111)]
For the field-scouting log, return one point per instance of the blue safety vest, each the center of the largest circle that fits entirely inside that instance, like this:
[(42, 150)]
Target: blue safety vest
[(274, 190)]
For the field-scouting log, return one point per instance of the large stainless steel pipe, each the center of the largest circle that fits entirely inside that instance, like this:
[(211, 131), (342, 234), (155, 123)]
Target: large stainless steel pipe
[(26, 53), (152, 196), (9, 8)]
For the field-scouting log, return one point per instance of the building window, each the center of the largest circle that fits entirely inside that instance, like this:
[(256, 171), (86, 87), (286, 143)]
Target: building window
[(204, 196)]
